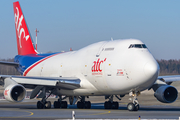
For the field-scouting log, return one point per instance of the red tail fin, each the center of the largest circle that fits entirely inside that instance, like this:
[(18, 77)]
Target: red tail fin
[(24, 42)]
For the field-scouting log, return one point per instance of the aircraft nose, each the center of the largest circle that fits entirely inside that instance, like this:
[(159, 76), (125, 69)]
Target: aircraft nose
[(151, 69)]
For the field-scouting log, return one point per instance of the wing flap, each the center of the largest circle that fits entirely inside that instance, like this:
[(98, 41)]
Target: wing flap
[(59, 82), (171, 78), (35, 81)]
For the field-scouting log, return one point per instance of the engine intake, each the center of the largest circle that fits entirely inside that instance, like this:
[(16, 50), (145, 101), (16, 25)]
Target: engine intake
[(15, 93), (166, 94)]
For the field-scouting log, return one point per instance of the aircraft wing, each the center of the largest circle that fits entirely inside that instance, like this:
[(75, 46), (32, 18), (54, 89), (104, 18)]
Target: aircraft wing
[(9, 63), (168, 79), (57, 82)]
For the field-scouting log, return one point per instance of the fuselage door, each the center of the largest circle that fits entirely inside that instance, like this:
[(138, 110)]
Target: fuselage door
[(101, 49)]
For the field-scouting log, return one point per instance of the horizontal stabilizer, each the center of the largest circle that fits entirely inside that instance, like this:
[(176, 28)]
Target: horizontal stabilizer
[(9, 63)]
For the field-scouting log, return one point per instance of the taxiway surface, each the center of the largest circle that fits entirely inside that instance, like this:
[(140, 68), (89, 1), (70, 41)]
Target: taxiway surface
[(150, 108)]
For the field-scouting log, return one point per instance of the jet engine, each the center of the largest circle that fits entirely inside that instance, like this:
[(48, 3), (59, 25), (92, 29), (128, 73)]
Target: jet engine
[(14, 93), (166, 94)]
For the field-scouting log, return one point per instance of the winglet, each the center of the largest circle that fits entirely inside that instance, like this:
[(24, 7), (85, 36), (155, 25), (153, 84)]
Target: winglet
[(24, 42)]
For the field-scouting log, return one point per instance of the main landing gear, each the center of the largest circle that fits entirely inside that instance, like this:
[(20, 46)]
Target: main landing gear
[(83, 104), (43, 103), (134, 105), (60, 103), (111, 104), (47, 104)]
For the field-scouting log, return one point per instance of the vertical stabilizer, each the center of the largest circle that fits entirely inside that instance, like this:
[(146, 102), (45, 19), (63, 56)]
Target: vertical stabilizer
[(24, 42)]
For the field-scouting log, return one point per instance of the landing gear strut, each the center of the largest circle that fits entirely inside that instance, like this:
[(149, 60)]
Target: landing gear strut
[(134, 105), (111, 104), (83, 104)]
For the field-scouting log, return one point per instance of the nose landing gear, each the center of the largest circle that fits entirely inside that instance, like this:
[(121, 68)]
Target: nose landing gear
[(134, 105)]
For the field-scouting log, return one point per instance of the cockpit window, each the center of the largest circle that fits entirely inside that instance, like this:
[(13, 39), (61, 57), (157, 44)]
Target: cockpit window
[(137, 46), (144, 46)]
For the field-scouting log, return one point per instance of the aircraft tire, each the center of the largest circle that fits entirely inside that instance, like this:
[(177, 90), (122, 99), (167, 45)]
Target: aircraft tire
[(87, 105), (80, 105), (115, 105), (63, 104), (40, 105), (131, 107), (57, 104), (107, 105), (47, 105), (136, 108)]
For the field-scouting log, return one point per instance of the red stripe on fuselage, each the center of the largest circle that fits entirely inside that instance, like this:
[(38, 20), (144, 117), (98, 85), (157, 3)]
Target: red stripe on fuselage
[(35, 64)]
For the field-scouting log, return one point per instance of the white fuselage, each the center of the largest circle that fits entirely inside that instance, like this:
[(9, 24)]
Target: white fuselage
[(104, 68)]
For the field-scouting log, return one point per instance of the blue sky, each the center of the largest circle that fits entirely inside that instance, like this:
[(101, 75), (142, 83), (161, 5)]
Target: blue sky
[(77, 23)]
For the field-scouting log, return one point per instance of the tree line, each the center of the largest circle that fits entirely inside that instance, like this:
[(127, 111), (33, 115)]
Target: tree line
[(167, 67), (6, 69)]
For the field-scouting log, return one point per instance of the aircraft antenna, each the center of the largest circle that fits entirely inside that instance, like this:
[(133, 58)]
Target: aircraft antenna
[(36, 37)]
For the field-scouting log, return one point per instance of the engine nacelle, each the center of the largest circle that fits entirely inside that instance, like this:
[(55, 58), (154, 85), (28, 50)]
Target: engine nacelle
[(166, 94), (15, 93)]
